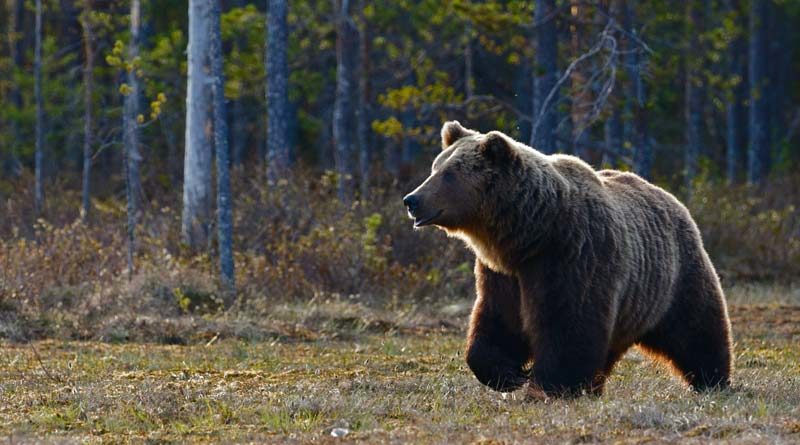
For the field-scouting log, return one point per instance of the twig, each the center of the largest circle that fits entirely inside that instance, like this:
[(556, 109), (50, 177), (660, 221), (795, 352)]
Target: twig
[(41, 364), (428, 109), (604, 36)]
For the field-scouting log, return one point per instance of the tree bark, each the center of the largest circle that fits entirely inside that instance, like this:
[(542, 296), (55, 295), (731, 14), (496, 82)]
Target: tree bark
[(694, 91), (277, 91), (88, 85), (132, 109), (580, 99), (612, 128), (635, 130), (238, 132), (758, 154), (224, 204), (37, 74), (363, 112), (613, 135), (132, 157), (780, 73), (237, 115), (734, 109), (343, 108), (522, 99), (469, 79), (543, 133), (16, 50), (197, 196)]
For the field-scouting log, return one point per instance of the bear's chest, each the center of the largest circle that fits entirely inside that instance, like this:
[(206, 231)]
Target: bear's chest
[(488, 253)]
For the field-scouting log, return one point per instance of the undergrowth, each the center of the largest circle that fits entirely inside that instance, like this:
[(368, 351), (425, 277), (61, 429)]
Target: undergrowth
[(294, 241)]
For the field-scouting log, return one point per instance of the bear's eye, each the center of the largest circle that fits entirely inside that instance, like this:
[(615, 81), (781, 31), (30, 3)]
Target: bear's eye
[(448, 176)]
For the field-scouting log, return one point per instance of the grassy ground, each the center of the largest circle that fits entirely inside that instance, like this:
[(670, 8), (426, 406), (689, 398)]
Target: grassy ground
[(385, 382)]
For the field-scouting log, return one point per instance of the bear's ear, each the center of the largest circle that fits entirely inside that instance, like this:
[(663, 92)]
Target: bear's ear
[(453, 131), (496, 147)]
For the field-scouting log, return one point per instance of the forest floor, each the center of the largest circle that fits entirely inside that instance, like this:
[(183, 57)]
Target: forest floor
[(376, 382)]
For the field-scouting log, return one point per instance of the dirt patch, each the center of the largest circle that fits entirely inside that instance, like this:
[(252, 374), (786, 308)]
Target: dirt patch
[(772, 321)]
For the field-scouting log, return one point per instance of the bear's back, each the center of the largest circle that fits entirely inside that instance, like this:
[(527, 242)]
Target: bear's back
[(658, 236), (633, 193)]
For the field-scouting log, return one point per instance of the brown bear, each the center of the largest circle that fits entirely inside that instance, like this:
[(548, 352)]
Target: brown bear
[(574, 266)]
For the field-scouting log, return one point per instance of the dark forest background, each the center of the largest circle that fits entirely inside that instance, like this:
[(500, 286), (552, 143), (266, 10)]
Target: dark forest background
[(148, 149)]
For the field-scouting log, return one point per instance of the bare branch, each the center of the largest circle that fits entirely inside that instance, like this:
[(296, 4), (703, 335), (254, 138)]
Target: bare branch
[(603, 41), (474, 100)]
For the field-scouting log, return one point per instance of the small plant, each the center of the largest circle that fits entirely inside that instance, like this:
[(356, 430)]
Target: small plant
[(294, 242), (197, 302)]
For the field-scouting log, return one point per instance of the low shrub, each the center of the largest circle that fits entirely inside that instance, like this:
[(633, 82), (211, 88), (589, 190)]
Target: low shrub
[(295, 241), (751, 233)]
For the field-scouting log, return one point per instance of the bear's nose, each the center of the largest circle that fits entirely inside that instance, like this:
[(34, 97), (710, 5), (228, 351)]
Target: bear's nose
[(411, 202)]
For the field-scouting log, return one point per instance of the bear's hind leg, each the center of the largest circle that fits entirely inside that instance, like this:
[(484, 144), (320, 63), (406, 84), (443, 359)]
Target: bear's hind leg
[(695, 337), (599, 382)]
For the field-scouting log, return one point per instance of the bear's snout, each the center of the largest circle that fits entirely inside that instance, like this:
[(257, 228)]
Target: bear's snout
[(412, 203), (422, 215)]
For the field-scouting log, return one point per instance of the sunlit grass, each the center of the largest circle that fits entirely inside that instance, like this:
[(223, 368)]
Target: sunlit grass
[(381, 386)]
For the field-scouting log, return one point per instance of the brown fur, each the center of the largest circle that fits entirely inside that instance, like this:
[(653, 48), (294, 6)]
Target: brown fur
[(573, 267)]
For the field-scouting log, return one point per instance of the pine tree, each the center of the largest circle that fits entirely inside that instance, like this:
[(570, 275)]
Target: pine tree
[(197, 196), (277, 90)]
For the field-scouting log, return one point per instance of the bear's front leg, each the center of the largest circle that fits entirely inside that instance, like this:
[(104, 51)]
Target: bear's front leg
[(496, 349)]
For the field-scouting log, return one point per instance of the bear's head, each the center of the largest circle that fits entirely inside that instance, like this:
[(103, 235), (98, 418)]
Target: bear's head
[(462, 177)]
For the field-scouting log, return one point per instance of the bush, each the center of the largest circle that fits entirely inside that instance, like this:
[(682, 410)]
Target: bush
[(751, 233), (295, 241)]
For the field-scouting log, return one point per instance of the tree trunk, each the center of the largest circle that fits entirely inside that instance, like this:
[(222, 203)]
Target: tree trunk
[(613, 135), (643, 152), (343, 108), (580, 99), (363, 113), (409, 147), (197, 196), (132, 109), (543, 133), (758, 152), (734, 110), (238, 117), (780, 73), (132, 157), (694, 90), (224, 218), (37, 74), (88, 85), (277, 91), (238, 132), (469, 79), (635, 128), (16, 50), (167, 123), (522, 101), (16, 11), (612, 128), (391, 157)]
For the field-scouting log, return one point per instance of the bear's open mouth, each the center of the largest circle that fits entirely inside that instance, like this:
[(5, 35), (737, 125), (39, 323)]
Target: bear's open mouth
[(419, 222)]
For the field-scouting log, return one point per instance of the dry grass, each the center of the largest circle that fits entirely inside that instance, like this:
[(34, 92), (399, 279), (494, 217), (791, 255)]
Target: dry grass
[(387, 376), (348, 319)]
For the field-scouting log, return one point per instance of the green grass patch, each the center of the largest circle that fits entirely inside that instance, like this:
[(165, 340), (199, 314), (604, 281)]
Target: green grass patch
[(381, 387)]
